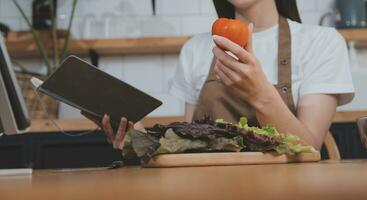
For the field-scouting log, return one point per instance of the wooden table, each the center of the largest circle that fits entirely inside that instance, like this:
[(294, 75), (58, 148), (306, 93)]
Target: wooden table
[(323, 180)]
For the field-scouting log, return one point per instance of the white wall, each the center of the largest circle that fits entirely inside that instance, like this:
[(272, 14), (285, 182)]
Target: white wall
[(133, 18)]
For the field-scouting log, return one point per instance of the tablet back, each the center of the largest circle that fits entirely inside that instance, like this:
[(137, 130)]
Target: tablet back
[(95, 92)]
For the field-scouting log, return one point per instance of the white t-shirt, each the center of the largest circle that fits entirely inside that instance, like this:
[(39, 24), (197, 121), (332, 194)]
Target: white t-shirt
[(320, 63)]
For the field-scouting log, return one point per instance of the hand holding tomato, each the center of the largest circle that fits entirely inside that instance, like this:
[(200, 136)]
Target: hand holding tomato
[(244, 76), (233, 29)]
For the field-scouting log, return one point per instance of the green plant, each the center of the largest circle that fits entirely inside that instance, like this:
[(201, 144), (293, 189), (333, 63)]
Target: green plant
[(56, 55)]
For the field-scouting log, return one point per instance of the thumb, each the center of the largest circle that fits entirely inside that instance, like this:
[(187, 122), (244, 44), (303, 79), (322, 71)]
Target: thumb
[(249, 47)]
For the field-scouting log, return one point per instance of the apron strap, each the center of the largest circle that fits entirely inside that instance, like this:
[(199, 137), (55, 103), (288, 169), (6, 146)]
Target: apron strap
[(284, 85), (284, 53)]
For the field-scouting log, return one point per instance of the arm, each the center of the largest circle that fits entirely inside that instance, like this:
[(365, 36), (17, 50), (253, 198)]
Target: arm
[(315, 114), (310, 127), (247, 80)]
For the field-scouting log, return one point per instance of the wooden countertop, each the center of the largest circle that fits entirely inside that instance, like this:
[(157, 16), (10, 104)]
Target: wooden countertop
[(84, 124), (324, 180)]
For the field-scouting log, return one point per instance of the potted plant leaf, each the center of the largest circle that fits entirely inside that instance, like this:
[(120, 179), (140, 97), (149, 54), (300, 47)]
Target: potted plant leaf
[(52, 50)]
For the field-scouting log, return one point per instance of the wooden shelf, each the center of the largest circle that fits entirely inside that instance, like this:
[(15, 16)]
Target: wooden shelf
[(149, 45), (348, 116), (354, 34), (357, 35)]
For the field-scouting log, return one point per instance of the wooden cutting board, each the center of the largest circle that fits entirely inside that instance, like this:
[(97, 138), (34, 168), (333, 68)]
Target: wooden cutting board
[(240, 158)]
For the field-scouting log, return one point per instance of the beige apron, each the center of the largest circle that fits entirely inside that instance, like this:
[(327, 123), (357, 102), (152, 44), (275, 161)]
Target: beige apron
[(216, 101)]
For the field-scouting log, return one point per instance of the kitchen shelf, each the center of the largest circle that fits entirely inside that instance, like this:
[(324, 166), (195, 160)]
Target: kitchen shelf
[(144, 45), (357, 35), (148, 45)]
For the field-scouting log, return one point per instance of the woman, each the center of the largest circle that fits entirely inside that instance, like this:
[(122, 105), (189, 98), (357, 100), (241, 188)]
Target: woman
[(290, 75)]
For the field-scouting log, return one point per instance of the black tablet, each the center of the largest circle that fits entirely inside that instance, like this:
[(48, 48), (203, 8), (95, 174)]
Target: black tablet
[(87, 88)]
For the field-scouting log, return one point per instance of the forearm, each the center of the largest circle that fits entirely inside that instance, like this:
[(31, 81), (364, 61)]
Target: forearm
[(272, 110)]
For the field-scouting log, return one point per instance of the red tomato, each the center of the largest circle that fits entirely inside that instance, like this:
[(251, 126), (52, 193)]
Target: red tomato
[(233, 29)]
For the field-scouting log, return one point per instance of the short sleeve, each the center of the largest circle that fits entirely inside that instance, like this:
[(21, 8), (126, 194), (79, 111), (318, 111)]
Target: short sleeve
[(183, 86), (326, 69)]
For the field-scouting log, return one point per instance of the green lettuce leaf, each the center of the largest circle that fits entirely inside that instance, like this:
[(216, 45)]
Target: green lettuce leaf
[(172, 143), (128, 150), (227, 144), (297, 148), (243, 123), (290, 138), (267, 130), (143, 144), (287, 143), (221, 121), (289, 148)]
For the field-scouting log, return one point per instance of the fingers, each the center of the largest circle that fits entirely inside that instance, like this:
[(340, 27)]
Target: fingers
[(243, 55), (118, 139), (120, 135), (223, 77), (106, 125), (232, 75), (249, 46), (226, 59)]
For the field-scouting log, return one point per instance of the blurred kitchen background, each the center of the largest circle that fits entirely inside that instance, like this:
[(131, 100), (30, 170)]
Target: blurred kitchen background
[(152, 72)]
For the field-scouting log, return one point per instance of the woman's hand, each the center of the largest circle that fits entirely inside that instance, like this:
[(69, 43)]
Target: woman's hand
[(116, 139), (244, 76)]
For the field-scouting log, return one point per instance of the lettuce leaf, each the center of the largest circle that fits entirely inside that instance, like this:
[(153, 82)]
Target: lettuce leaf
[(227, 144), (221, 121), (289, 148), (208, 136), (267, 130), (128, 150), (243, 123), (143, 144), (172, 143), (287, 143)]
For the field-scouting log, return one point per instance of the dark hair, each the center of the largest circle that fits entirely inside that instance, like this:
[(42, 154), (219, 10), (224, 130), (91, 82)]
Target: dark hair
[(286, 8)]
